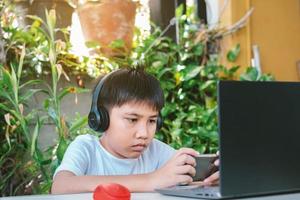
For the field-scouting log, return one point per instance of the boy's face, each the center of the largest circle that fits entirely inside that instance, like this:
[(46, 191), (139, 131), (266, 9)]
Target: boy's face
[(131, 129)]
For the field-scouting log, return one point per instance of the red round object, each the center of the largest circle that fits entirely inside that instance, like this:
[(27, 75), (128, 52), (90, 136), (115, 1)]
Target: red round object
[(112, 191)]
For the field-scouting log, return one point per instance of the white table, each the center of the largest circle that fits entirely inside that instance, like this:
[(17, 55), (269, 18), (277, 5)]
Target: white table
[(138, 196)]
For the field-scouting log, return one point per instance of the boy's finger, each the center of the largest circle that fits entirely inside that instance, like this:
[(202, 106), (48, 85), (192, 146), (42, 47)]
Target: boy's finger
[(186, 169), (189, 151), (184, 179), (184, 159), (213, 179), (217, 162)]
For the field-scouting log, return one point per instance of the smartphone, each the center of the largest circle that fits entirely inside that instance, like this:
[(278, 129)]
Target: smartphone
[(205, 166)]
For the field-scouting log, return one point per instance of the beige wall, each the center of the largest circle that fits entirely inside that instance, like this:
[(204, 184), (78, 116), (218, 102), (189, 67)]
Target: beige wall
[(275, 27)]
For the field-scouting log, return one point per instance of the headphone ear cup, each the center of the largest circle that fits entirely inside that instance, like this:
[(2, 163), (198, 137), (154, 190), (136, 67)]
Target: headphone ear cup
[(104, 119), (159, 122), (94, 119)]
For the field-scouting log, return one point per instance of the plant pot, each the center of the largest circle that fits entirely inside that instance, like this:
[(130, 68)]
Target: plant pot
[(63, 12), (106, 21)]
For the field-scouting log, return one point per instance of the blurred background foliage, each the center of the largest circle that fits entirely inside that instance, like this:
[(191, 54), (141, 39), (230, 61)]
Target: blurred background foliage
[(188, 71)]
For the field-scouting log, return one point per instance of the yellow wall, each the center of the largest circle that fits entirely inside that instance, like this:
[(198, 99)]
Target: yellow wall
[(234, 11), (275, 27)]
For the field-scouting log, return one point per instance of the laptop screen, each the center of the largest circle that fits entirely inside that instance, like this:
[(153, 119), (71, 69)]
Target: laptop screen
[(259, 129)]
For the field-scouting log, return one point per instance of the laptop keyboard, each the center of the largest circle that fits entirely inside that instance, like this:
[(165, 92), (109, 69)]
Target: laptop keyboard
[(194, 190)]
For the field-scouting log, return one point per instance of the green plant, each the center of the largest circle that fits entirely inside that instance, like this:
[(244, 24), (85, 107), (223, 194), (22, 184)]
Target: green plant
[(189, 72), (189, 83), (53, 103), (25, 168), (20, 141)]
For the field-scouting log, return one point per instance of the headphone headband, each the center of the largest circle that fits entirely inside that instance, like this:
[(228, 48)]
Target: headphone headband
[(97, 91), (98, 118)]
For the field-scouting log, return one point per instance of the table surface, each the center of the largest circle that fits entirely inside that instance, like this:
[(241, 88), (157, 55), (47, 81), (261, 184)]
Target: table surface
[(139, 196)]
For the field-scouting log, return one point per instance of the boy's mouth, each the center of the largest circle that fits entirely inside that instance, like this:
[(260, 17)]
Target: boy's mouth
[(138, 147)]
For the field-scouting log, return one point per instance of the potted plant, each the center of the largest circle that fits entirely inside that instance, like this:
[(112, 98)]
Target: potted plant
[(37, 8), (109, 23)]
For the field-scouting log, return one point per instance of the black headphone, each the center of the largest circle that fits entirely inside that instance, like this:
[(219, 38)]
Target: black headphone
[(98, 118)]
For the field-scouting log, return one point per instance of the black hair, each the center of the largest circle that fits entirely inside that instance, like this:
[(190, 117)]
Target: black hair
[(131, 85)]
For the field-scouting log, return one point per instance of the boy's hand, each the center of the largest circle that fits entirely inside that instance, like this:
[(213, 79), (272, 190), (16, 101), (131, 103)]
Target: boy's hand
[(178, 170)]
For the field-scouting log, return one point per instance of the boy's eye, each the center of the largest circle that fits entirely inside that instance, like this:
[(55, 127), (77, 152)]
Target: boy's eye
[(132, 120), (153, 121)]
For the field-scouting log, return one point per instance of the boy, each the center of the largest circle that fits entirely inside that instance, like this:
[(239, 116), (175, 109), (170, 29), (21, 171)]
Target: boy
[(129, 103)]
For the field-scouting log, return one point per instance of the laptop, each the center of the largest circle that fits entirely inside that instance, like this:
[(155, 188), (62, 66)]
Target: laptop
[(259, 141)]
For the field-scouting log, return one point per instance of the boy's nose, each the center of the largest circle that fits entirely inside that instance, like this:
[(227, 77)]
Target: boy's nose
[(142, 131)]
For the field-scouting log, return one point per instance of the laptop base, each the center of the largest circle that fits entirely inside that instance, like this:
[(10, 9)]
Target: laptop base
[(193, 191)]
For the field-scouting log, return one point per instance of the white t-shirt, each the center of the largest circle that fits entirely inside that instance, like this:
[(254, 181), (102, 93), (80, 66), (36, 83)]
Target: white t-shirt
[(86, 156)]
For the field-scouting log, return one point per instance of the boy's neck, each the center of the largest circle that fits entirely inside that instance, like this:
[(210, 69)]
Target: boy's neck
[(105, 145)]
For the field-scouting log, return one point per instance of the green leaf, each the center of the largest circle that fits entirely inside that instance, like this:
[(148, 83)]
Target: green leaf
[(192, 73), (251, 74), (233, 54), (35, 18), (11, 172), (31, 82), (52, 114), (81, 122), (198, 49), (38, 156), (207, 84), (21, 63), (71, 90), (157, 64), (29, 93), (117, 44), (6, 81), (53, 166), (7, 137), (4, 107), (34, 137), (6, 96), (32, 115), (92, 44), (14, 83), (162, 72), (179, 10), (46, 104), (51, 21), (46, 162), (61, 149), (190, 11), (35, 25), (231, 71)]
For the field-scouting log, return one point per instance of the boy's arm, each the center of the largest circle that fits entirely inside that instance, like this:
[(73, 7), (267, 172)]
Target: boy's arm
[(175, 171), (67, 182)]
